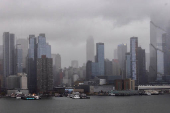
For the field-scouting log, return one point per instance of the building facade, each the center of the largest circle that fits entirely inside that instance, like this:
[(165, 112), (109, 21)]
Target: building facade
[(24, 46), (128, 65), (32, 65), (121, 52), (44, 74), (100, 58), (19, 59), (133, 51)]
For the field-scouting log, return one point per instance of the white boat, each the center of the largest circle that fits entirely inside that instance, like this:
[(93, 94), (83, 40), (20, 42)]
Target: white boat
[(147, 93), (76, 97)]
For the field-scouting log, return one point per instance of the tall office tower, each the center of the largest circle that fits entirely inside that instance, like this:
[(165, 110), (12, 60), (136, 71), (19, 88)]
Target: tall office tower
[(44, 74), (115, 54), (121, 52), (43, 48), (100, 58), (116, 68), (147, 61), (133, 51), (142, 77), (108, 67), (90, 49), (156, 70), (32, 62), (128, 65), (19, 56), (8, 54), (24, 46), (166, 49), (74, 64), (58, 62)]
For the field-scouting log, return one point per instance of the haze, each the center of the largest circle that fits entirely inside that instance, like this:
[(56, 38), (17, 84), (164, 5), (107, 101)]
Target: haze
[(68, 23)]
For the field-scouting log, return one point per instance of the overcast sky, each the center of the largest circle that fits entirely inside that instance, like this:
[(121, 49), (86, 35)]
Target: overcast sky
[(68, 23)]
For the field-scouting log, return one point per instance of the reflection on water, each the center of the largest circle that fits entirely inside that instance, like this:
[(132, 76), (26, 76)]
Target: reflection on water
[(97, 104)]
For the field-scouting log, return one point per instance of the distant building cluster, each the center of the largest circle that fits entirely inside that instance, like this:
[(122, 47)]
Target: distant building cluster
[(29, 64)]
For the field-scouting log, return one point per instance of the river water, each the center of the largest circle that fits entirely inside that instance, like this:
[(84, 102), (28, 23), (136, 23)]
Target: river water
[(96, 104)]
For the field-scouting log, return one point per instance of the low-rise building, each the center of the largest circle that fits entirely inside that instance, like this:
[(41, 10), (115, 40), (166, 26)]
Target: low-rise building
[(124, 84)]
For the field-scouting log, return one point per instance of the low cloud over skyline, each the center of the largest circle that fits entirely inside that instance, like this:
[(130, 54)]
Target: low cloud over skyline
[(67, 24)]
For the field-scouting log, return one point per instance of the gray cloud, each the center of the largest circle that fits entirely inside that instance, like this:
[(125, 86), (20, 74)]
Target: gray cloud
[(67, 23)]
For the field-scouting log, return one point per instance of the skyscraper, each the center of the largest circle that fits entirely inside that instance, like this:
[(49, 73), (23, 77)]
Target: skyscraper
[(90, 49), (19, 56), (166, 50), (32, 62), (44, 74), (156, 70), (121, 52), (128, 65), (100, 58), (141, 64), (98, 66), (43, 48), (8, 54), (133, 51), (24, 46)]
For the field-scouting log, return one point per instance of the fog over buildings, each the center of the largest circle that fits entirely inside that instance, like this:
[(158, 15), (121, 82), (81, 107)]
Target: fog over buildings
[(67, 24)]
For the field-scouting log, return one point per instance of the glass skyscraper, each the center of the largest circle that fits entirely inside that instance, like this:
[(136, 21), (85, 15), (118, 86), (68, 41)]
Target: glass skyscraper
[(156, 52), (43, 48), (100, 58), (133, 51), (19, 55)]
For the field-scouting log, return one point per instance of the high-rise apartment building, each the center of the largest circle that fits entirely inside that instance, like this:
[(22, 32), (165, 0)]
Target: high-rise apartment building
[(19, 60), (90, 49), (133, 51), (44, 74), (8, 55)]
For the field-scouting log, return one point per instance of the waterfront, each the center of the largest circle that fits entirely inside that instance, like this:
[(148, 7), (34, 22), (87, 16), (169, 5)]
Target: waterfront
[(96, 104)]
